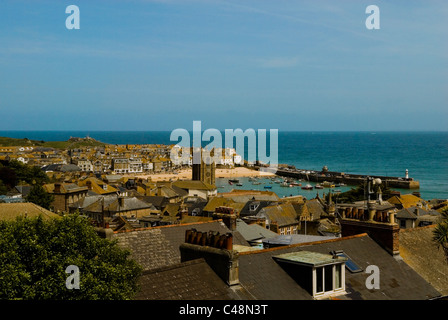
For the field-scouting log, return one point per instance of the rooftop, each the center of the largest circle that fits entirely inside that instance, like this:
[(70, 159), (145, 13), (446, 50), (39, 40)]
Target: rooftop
[(309, 258), (10, 211)]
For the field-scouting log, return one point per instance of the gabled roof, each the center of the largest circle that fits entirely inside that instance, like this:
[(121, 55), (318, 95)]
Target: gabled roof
[(252, 232), (406, 200), (158, 201), (10, 211), (65, 188), (283, 214), (259, 205), (111, 203), (406, 214), (23, 190), (98, 185), (218, 201)]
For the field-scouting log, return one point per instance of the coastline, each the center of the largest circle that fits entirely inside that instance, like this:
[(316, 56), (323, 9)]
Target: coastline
[(186, 174)]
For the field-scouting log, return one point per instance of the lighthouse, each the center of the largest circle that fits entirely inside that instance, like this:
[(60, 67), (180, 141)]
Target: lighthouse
[(407, 174)]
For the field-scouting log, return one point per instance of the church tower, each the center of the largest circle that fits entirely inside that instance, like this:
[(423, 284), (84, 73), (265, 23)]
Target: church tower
[(205, 171)]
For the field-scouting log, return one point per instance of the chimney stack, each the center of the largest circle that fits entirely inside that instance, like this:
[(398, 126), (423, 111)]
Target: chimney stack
[(121, 201), (228, 216), (217, 251), (57, 187)]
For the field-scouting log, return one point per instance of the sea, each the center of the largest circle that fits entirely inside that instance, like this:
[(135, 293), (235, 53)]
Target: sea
[(423, 154)]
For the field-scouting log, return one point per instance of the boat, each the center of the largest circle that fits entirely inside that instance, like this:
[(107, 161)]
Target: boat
[(256, 183), (268, 187), (284, 184), (327, 184), (318, 186), (239, 184), (307, 187), (234, 180), (230, 182)]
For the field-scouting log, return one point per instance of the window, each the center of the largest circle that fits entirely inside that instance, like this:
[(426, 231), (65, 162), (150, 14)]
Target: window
[(328, 280), (328, 277), (337, 276), (402, 223), (319, 280)]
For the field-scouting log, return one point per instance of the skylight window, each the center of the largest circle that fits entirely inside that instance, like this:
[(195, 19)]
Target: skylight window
[(350, 264)]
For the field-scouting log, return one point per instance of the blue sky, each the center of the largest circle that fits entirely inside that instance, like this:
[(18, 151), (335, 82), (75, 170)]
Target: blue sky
[(287, 65)]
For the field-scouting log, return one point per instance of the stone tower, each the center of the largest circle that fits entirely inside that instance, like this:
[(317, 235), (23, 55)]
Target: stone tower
[(204, 171)]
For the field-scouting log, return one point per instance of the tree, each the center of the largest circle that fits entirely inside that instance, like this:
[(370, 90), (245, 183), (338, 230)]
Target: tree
[(34, 255), (3, 188), (39, 196), (440, 233), (28, 174), (360, 193), (8, 176)]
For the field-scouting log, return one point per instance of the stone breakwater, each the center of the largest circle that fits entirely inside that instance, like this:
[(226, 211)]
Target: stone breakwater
[(346, 178)]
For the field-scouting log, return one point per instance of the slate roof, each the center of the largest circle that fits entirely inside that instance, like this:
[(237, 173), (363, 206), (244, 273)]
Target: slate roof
[(9, 211), (421, 253), (65, 188), (23, 190), (252, 232), (191, 280), (247, 195), (284, 214), (290, 239), (62, 167), (100, 203), (260, 204), (266, 280), (159, 246), (158, 201), (193, 185)]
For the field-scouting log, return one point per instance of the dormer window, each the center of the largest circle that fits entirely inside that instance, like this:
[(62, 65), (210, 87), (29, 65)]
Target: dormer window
[(322, 275)]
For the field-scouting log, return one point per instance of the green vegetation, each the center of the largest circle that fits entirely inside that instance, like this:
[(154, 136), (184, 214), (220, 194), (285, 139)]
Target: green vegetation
[(16, 173), (62, 145), (39, 196), (360, 193), (34, 255)]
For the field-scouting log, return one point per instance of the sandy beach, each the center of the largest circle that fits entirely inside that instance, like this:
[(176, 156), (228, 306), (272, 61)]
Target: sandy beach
[(185, 174)]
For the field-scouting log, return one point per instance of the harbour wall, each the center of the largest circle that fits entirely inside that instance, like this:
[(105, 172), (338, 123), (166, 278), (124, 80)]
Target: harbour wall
[(348, 179)]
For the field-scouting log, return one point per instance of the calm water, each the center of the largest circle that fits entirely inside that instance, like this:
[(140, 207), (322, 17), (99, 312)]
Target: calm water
[(424, 154)]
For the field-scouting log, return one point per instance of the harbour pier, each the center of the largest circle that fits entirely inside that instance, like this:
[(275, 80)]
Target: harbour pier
[(346, 178)]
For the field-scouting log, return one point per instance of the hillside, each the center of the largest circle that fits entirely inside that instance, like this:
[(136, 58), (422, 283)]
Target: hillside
[(69, 144)]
